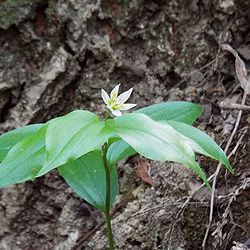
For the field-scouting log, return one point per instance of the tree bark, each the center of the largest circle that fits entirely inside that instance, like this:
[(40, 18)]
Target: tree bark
[(56, 55)]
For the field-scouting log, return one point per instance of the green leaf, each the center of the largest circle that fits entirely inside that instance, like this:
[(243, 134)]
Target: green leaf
[(118, 151), (186, 112), (201, 142), (156, 141), (9, 139), (24, 160), (72, 136), (87, 177)]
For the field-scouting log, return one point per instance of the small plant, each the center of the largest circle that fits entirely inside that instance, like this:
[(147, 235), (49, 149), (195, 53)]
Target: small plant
[(86, 149)]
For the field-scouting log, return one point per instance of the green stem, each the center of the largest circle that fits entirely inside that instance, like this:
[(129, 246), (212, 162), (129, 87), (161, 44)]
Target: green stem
[(108, 193)]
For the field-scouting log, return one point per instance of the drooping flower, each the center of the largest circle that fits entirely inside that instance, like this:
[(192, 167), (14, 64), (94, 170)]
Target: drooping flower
[(116, 103)]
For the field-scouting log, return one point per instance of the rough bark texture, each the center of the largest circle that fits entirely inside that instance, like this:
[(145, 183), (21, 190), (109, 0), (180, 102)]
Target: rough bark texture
[(56, 55)]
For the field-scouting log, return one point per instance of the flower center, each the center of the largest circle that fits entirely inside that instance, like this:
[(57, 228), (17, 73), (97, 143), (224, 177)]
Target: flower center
[(115, 104)]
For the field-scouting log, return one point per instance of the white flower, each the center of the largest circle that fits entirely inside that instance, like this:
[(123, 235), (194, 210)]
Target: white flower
[(116, 103)]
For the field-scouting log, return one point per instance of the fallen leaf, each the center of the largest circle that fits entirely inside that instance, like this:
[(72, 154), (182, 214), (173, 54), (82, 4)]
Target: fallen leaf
[(245, 52), (248, 119), (142, 170), (240, 69)]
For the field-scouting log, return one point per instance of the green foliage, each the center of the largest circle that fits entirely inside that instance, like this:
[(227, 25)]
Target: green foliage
[(185, 112), (86, 176), (9, 139), (156, 141), (24, 160), (201, 143), (71, 136), (118, 151), (73, 144)]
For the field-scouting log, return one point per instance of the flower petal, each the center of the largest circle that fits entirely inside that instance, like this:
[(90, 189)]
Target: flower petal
[(127, 106), (124, 96), (105, 96), (114, 92), (116, 112)]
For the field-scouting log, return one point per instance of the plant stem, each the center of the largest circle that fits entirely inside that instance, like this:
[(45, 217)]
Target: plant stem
[(110, 234), (108, 193)]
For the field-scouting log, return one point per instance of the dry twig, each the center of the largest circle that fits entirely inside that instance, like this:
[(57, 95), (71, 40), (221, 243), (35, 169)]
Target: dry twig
[(218, 171), (245, 183), (236, 106), (245, 84)]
